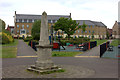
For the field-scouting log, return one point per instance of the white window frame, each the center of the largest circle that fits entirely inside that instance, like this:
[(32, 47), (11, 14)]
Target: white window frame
[(27, 26), (22, 26), (17, 26)]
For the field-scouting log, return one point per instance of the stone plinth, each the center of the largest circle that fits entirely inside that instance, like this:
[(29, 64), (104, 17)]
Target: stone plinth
[(44, 62)]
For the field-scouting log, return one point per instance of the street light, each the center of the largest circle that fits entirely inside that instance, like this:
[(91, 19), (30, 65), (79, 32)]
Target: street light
[(51, 33)]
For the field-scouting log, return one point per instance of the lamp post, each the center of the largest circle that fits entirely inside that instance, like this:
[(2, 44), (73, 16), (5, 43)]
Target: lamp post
[(51, 34), (59, 39)]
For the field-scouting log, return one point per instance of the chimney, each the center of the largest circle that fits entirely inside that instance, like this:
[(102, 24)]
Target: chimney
[(15, 12)]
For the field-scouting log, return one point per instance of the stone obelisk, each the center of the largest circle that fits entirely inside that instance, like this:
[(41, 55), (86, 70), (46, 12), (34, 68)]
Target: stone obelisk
[(44, 49)]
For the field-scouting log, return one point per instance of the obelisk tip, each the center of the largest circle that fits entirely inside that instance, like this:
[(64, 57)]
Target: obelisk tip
[(44, 13)]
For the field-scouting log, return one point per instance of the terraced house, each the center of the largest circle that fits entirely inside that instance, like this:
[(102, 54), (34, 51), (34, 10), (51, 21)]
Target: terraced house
[(116, 30), (23, 25), (94, 28), (23, 22)]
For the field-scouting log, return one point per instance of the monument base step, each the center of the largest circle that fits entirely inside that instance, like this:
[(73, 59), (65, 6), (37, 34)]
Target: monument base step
[(42, 70)]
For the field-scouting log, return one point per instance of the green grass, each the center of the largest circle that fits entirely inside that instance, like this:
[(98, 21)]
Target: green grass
[(115, 42), (11, 44), (99, 42), (9, 52), (65, 54), (49, 72)]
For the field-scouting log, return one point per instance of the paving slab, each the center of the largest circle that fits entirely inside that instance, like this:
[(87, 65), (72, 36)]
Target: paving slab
[(24, 50)]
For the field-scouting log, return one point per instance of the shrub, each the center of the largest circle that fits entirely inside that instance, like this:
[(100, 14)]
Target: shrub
[(75, 41), (20, 37), (27, 39), (6, 38)]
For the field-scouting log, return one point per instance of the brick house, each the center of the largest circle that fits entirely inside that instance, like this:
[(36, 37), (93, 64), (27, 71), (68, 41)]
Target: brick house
[(97, 29), (109, 32), (23, 22), (23, 25), (10, 29), (116, 30)]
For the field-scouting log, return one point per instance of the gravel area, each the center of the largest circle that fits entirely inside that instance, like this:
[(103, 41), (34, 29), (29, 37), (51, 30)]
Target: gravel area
[(70, 72)]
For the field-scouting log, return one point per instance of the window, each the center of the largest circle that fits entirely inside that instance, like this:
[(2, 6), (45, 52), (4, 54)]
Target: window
[(22, 26), (53, 21), (27, 26), (93, 26), (49, 21), (89, 31), (30, 20), (25, 20), (20, 20), (33, 20), (78, 31), (89, 26), (93, 32), (23, 32), (17, 20), (85, 31), (17, 26)]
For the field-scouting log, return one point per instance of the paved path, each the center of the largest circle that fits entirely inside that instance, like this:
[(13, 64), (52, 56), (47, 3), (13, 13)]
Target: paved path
[(94, 52), (104, 68), (24, 49)]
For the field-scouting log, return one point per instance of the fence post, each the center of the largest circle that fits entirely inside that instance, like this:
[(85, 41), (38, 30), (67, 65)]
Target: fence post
[(31, 43), (89, 46), (106, 45)]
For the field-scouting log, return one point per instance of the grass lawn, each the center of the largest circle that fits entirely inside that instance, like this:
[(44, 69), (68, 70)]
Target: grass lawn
[(64, 54), (9, 52), (11, 44), (115, 42), (99, 41)]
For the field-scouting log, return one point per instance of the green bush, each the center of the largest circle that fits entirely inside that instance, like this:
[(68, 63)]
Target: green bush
[(27, 39), (75, 41), (20, 37), (6, 38)]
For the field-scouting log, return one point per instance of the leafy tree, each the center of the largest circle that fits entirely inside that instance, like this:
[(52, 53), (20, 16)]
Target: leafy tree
[(69, 26), (35, 32), (92, 35), (107, 34), (84, 27)]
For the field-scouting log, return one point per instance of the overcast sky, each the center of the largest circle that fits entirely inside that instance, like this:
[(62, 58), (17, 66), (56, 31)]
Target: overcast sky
[(105, 11)]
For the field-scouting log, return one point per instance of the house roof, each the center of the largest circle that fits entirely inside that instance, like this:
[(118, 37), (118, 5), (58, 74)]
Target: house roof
[(87, 22), (92, 23), (28, 16), (10, 26)]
